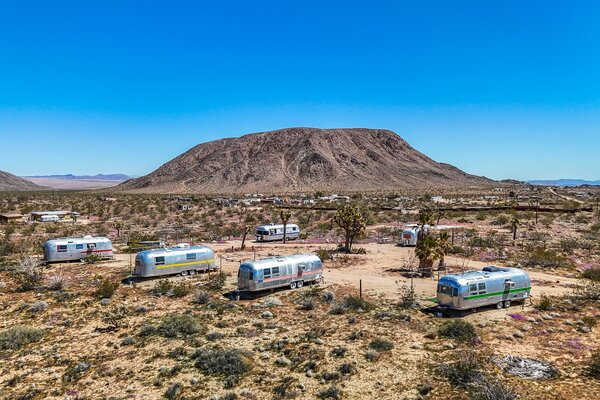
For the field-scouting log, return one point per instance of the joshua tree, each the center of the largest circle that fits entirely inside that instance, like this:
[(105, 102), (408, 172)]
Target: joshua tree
[(350, 218), (285, 217), (246, 231), (118, 225), (514, 223)]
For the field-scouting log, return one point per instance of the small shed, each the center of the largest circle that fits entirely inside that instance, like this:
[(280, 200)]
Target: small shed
[(10, 218), (184, 207)]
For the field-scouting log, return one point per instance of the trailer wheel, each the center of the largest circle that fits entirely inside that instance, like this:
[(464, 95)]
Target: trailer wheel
[(499, 305), (192, 271), (300, 284), (183, 273), (292, 285), (507, 304)]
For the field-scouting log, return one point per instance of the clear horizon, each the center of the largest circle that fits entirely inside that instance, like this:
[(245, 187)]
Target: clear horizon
[(507, 90)]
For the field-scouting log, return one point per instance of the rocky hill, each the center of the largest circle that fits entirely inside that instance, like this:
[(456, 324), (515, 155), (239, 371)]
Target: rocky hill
[(303, 159), (10, 182)]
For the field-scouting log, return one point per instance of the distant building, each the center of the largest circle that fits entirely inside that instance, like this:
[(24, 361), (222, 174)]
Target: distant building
[(184, 207), (10, 218), (437, 199), (37, 215), (334, 197)]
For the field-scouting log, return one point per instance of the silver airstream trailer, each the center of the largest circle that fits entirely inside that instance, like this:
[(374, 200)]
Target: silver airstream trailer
[(76, 248), (409, 235), (497, 286), (182, 259), (271, 232), (274, 272)]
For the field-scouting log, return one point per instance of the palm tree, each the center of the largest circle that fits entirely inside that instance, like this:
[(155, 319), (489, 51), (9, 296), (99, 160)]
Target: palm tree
[(445, 245), (428, 252)]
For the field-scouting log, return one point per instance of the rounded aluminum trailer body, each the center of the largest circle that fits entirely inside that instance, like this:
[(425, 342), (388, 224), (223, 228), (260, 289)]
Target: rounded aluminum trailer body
[(409, 236), (71, 249), (275, 272), (490, 286), (272, 232), (174, 260)]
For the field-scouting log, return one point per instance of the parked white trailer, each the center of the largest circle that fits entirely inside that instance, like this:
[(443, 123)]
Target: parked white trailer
[(49, 218), (499, 286), (409, 235), (274, 272), (272, 232), (77, 248), (182, 259)]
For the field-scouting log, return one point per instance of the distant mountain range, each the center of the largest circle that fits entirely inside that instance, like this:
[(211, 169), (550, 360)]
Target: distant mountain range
[(11, 182), (564, 182), (303, 159), (97, 177)]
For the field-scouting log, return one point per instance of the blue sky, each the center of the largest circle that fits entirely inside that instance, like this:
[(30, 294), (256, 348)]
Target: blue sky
[(506, 89)]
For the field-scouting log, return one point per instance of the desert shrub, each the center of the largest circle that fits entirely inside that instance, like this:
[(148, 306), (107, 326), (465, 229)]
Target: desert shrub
[(324, 254), (224, 362), (501, 220), (381, 344), (181, 289), (568, 245), (162, 288), (105, 289), (339, 351), (589, 321), (408, 297), (212, 336), (328, 296), (174, 391), (545, 304), (545, 258), (38, 306), (92, 259), (116, 316), (217, 281), (372, 355), (337, 308), (458, 330), (355, 303), (308, 303), (592, 274), (19, 336), (147, 330), (178, 325), (27, 274), (347, 369), (485, 388), (359, 250), (328, 376), (593, 368), (590, 290), (465, 370), (332, 392), (57, 282), (201, 297), (285, 388)]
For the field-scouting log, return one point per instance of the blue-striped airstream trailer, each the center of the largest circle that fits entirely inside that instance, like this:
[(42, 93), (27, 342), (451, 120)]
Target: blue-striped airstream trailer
[(77, 248), (499, 286), (182, 259), (274, 272), (272, 232)]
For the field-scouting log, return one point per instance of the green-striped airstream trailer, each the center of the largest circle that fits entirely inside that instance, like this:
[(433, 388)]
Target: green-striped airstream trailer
[(499, 286), (182, 259)]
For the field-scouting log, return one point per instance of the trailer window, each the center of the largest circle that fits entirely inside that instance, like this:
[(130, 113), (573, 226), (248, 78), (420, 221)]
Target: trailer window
[(190, 256), (79, 246), (61, 248), (482, 286), (267, 273), (473, 287), (91, 246), (445, 289), (159, 261), (275, 271)]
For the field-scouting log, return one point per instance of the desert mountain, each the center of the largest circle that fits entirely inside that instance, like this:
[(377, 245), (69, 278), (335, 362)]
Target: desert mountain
[(302, 159), (9, 182)]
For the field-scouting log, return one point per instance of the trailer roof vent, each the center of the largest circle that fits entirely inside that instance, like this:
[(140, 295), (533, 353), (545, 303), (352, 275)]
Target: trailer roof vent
[(183, 245), (492, 268), (87, 237)]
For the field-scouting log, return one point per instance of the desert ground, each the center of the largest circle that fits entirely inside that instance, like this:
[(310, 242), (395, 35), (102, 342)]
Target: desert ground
[(86, 331)]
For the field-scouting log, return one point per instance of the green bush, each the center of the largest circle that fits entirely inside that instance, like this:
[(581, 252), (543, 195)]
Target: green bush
[(92, 259), (201, 297), (381, 344), (105, 289), (465, 370), (458, 330), (593, 368), (355, 303), (217, 281), (178, 325), (162, 287), (592, 274), (19, 336), (223, 362), (332, 392), (545, 304), (181, 289)]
